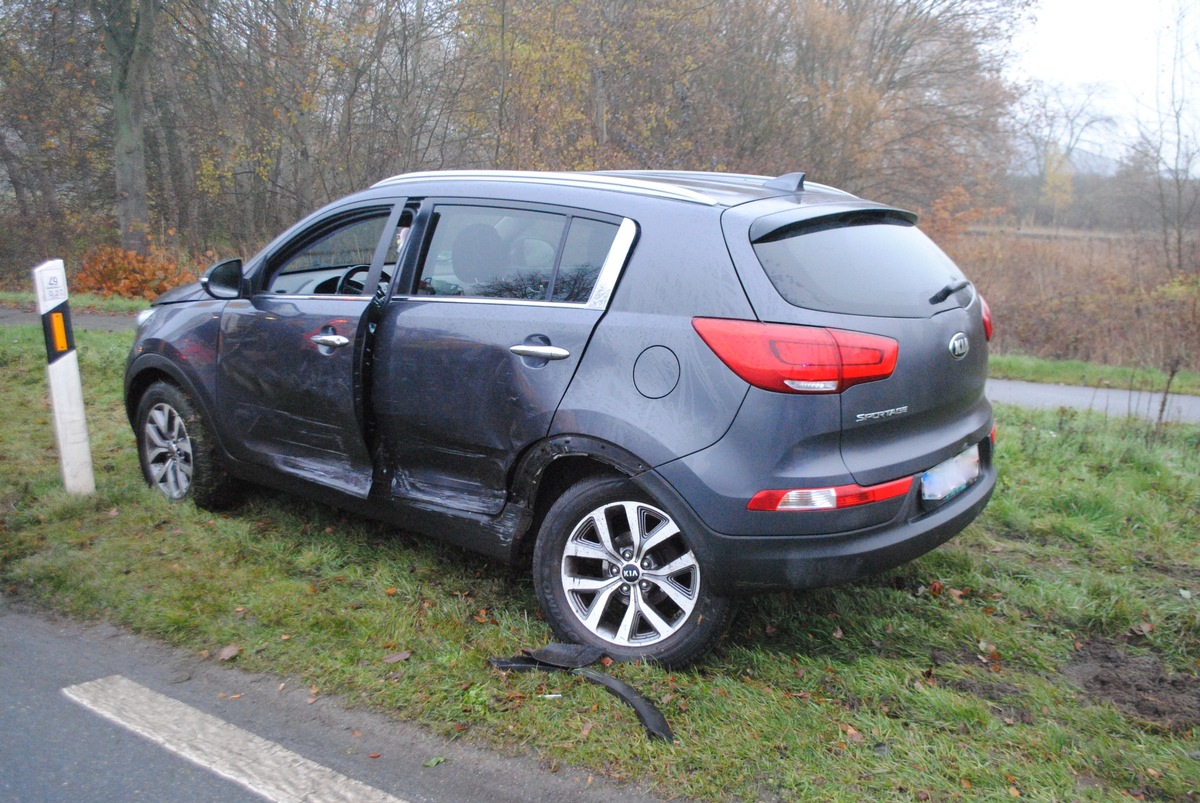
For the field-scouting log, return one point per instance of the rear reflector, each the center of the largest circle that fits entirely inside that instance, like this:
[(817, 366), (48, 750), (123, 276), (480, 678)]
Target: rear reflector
[(987, 318), (798, 359), (828, 498)]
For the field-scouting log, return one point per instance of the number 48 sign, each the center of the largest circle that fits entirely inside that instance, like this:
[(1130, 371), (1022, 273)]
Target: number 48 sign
[(62, 372)]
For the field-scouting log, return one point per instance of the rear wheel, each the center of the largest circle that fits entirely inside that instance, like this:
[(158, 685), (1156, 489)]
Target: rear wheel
[(614, 570), (176, 450)]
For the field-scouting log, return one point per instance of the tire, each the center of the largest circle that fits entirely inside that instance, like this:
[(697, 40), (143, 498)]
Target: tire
[(613, 570), (177, 451)]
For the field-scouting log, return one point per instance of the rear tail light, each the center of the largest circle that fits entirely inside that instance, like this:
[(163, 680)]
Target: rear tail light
[(798, 359), (987, 318), (828, 498)]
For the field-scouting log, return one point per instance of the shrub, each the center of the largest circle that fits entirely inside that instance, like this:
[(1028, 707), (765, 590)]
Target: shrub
[(109, 271)]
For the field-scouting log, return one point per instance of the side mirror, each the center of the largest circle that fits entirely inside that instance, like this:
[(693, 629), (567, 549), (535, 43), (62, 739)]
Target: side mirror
[(223, 280)]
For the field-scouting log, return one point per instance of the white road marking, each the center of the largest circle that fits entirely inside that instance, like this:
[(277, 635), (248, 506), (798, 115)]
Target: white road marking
[(259, 765)]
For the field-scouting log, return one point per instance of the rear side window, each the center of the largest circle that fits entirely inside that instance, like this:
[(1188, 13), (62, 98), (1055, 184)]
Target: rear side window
[(859, 265), (492, 252)]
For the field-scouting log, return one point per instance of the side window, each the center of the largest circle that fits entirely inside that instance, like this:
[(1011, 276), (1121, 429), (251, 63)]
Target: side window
[(588, 243), (489, 252), (320, 264)]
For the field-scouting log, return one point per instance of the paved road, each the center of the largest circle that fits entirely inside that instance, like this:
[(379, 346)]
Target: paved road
[(53, 749), (10, 316), (1110, 401)]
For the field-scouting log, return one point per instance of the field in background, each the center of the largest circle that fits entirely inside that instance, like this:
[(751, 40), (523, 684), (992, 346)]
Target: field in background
[(1050, 652), (1100, 298)]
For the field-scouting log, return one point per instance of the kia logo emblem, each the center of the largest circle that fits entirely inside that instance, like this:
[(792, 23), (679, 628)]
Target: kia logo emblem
[(630, 573), (959, 346)]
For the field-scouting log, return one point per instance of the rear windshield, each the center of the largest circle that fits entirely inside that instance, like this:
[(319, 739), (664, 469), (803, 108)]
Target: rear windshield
[(858, 264)]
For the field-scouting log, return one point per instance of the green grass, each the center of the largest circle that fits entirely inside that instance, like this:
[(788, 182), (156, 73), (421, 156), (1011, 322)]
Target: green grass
[(112, 305), (879, 690), (1076, 372)]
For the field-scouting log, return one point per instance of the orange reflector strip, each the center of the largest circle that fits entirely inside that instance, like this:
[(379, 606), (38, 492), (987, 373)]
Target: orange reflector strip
[(59, 328)]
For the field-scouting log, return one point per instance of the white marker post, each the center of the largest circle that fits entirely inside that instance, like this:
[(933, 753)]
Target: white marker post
[(62, 371)]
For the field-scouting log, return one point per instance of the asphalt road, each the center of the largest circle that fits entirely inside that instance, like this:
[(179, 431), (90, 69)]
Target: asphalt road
[(54, 749), (1112, 402)]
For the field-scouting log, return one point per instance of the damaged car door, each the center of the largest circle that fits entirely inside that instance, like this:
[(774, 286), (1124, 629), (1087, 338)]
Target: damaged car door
[(290, 378), (480, 352)]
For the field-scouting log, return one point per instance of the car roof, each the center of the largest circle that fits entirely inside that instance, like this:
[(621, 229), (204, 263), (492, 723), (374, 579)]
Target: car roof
[(710, 189)]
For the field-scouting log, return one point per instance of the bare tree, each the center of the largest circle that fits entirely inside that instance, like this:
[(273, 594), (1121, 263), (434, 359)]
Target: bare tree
[(1170, 142)]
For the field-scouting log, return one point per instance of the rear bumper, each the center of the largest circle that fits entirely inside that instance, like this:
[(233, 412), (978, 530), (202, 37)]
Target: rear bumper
[(745, 564)]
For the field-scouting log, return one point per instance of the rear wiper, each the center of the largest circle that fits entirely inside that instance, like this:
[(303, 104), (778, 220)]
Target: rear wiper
[(948, 290)]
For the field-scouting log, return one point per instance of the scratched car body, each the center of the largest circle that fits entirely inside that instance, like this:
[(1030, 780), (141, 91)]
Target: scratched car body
[(656, 391)]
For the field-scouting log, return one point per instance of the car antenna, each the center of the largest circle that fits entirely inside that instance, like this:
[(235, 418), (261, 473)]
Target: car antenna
[(792, 182)]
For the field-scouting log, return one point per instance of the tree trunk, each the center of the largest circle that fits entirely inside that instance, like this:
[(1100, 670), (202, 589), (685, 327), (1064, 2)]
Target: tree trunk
[(128, 36)]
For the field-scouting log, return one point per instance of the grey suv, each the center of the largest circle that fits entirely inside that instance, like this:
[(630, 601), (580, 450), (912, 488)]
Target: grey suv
[(660, 389)]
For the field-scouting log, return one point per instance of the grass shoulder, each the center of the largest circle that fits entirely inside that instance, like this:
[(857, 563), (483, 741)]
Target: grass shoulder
[(1077, 372)]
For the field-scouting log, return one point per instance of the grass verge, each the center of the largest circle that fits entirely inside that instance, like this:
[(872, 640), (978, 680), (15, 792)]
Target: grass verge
[(957, 677), (1077, 372)]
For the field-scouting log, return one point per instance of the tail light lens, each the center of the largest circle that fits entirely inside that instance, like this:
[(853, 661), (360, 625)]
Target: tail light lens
[(798, 359), (987, 318), (828, 498)]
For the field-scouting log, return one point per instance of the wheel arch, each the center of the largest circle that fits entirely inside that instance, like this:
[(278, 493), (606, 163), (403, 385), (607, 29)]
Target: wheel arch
[(551, 467), (151, 368)]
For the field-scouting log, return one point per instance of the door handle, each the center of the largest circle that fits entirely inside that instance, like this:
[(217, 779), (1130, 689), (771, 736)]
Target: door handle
[(330, 341), (539, 352)]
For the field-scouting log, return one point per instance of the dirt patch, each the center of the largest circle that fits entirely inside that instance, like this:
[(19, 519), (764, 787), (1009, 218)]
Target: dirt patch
[(1136, 685)]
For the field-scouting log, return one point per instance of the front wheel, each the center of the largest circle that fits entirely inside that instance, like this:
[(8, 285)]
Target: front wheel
[(176, 451), (614, 570)]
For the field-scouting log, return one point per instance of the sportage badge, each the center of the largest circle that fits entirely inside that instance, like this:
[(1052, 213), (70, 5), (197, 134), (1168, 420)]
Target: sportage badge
[(959, 346)]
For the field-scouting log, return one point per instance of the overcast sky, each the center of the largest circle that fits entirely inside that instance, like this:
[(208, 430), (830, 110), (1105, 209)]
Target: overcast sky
[(1126, 44)]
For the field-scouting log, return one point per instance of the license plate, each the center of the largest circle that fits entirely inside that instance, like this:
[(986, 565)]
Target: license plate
[(946, 479)]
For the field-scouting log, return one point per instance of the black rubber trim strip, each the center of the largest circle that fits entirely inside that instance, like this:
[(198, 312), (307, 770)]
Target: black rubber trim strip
[(568, 658)]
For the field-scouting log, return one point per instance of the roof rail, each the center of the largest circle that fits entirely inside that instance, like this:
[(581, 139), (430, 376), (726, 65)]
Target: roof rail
[(638, 186)]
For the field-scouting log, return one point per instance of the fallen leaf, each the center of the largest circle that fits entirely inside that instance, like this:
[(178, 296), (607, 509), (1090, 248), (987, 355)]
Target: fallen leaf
[(391, 592), (229, 653), (433, 762), (374, 755), (606, 662), (397, 657), (585, 730), (284, 637), (356, 734), (1014, 791), (851, 734), (935, 588), (312, 700), (837, 632), (955, 594)]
